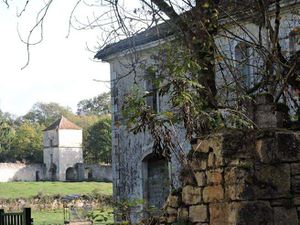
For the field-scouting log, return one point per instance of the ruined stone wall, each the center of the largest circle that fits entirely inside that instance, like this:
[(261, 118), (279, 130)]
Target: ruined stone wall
[(94, 172), (21, 172), (244, 178)]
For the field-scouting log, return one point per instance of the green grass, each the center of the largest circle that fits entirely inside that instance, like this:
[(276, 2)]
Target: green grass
[(48, 217), (30, 189), (57, 217)]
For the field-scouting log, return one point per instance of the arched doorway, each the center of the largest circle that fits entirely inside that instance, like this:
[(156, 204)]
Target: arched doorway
[(71, 174), (52, 172), (88, 174), (37, 175), (156, 180)]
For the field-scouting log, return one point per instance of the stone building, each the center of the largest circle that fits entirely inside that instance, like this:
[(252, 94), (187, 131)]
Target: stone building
[(63, 159), (63, 156), (62, 149), (137, 173)]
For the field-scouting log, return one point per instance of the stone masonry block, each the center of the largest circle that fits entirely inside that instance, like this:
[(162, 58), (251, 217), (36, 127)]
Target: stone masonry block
[(191, 195), (222, 214), (183, 213), (173, 201), (213, 193), (239, 192), (214, 160), (272, 181), (253, 213), (171, 218), (296, 184), (202, 145), (295, 168), (214, 176), (171, 211), (285, 216), (198, 213), (198, 164), (200, 178), (236, 175), (277, 147)]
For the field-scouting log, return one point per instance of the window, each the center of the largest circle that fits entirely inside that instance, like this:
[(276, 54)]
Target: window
[(243, 63), (152, 98), (294, 40), (114, 96)]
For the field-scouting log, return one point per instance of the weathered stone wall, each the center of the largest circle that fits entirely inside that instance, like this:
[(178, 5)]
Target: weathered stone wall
[(42, 202), (21, 172), (240, 178), (63, 149), (128, 150), (94, 172)]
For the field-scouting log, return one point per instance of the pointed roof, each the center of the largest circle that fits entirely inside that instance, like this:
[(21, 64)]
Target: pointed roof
[(63, 123)]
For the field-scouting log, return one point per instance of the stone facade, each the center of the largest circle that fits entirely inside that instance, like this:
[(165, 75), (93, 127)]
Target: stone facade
[(63, 156), (62, 149), (130, 152), (253, 179)]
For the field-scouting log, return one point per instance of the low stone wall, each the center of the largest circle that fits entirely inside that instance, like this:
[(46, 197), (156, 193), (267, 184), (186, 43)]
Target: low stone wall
[(240, 178), (21, 172), (55, 202), (101, 172), (94, 172)]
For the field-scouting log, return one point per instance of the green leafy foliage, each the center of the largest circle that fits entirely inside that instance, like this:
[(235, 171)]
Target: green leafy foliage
[(98, 105), (46, 113), (27, 143), (97, 141), (7, 133)]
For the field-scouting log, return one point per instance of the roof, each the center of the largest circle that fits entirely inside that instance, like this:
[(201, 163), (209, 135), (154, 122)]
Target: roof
[(150, 35), (63, 123), (156, 33)]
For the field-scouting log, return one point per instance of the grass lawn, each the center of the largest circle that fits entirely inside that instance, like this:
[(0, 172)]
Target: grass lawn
[(57, 217), (30, 189), (48, 217)]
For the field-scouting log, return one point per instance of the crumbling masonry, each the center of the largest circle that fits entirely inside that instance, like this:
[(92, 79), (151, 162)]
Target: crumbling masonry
[(241, 177)]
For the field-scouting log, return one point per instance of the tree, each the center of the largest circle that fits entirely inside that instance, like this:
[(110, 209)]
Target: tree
[(27, 144), (7, 134), (203, 53), (98, 105), (47, 113), (97, 141)]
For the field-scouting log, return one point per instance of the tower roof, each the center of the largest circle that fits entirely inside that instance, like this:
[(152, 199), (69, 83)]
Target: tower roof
[(63, 123)]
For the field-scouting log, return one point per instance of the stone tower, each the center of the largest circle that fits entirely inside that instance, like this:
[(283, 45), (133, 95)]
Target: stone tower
[(62, 150)]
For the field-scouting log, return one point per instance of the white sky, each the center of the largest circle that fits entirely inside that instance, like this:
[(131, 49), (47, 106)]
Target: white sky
[(60, 69)]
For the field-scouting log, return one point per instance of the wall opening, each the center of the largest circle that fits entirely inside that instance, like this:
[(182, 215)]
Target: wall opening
[(88, 174), (156, 181), (37, 176), (52, 172), (71, 174), (243, 54)]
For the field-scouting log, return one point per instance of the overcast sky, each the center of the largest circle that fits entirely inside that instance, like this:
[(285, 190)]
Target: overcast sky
[(61, 70)]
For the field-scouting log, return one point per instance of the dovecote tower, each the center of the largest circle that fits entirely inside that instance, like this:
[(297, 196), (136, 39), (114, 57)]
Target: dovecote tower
[(62, 150)]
